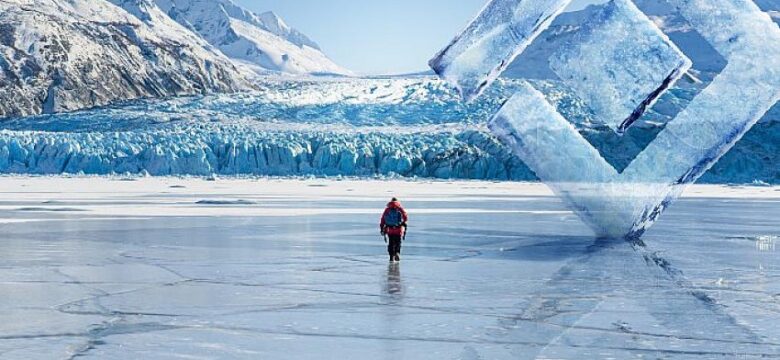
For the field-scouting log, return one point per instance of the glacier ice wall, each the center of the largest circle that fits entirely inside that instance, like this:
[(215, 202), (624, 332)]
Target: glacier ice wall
[(359, 127), (232, 150)]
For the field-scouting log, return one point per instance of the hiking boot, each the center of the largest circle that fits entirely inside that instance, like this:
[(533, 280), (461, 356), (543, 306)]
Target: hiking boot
[(392, 258), (397, 257)]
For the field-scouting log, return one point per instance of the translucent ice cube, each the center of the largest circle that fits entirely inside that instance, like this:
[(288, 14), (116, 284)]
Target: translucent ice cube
[(488, 45), (619, 63), (626, 204)]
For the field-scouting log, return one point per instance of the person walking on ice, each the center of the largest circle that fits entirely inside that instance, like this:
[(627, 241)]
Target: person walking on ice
[(392, 226)]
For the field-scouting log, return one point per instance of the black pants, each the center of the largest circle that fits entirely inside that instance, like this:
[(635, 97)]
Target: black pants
[(393, 244)]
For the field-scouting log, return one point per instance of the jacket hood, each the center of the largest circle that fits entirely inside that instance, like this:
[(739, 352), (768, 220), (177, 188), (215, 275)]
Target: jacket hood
[(394, 204)]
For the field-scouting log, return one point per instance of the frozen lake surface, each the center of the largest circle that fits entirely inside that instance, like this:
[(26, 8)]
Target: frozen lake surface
[(169, 268)]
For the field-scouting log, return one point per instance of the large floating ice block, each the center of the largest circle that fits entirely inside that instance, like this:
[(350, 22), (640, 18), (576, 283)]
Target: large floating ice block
[(557, 153), (500, 32), (619, 63), (626, 204)]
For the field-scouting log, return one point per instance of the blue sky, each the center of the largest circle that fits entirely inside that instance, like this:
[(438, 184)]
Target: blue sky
[(377, 36)]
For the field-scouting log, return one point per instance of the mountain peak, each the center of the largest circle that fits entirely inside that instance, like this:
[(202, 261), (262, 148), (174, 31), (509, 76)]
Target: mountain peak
[(261, 43), (271, 16), (275, 24)]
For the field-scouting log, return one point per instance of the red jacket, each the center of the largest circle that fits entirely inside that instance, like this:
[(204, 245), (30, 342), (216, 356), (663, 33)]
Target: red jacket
[(399, 231)]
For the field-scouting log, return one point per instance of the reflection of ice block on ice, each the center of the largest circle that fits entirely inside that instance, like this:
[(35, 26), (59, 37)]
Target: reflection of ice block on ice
[(489, 44), (619, 63)]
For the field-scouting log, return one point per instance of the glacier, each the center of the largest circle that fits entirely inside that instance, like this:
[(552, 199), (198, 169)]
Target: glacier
[(408, 127)]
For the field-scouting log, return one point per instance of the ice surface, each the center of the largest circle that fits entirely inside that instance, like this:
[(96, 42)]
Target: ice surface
[(489, 271), (626, 204), (488, 45), (620, 63)]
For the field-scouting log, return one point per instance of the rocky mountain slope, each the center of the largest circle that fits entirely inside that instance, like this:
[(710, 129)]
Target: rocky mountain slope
[(63, 55), (59, 56)]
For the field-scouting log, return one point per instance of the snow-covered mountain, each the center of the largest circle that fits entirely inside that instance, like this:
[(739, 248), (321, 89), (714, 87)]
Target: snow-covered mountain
[(66, 55), (261, 43), (273, 23), (63, 55)]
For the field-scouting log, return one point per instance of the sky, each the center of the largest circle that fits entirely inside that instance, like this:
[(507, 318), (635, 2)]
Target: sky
[(378, 36)]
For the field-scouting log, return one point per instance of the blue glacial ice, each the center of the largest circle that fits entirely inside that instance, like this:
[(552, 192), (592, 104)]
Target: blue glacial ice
[(375, 127), (626, 204), (500, 32), (619, 63), (242, 150)]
